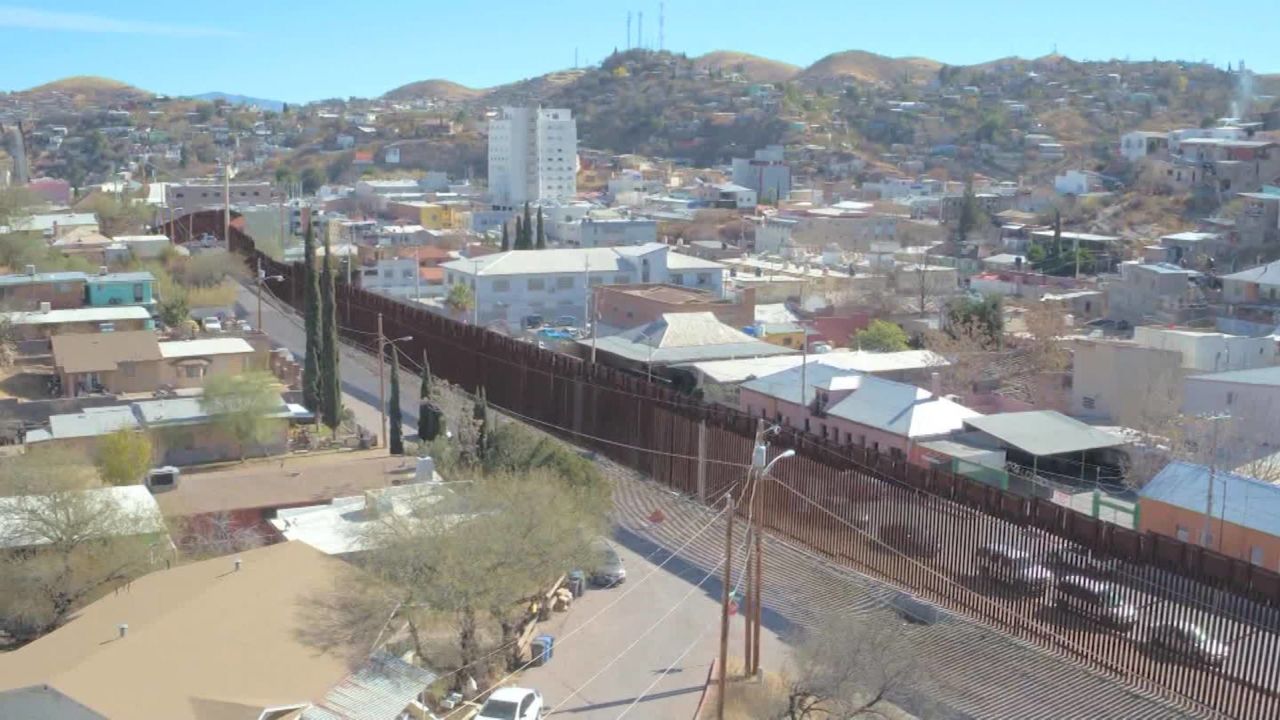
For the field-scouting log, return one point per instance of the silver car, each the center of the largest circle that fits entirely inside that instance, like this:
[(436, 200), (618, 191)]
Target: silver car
[(1190, 641), (606, 569)]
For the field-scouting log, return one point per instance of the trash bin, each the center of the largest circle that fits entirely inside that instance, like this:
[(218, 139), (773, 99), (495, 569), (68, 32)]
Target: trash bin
[(577, 583), (541, 649)]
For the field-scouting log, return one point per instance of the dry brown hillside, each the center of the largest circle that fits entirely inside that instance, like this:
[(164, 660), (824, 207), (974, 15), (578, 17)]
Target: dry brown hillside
[(869, 67), (91, 89), (750, 66), (442, 89)]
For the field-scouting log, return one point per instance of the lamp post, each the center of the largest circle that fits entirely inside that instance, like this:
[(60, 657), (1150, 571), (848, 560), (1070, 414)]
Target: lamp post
[(262, 278), (383, 341), (753, 613)]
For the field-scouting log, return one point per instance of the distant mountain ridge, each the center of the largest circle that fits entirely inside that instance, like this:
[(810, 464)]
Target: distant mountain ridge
[(260, 103)]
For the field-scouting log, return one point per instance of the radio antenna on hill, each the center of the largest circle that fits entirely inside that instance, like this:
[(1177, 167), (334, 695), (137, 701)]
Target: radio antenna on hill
[(640, 31), (662, 40), (628, 29)]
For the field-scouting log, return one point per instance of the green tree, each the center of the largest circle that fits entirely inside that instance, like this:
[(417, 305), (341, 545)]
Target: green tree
[(312, 179), (430, 417), (460, 297), (285, 176), (395, 441), (542, 235), (506, 240), (311, 322), (173, 308), (242, 406), (330, 384), (978, 319), (123, 457), (881, 336), (524, 236)]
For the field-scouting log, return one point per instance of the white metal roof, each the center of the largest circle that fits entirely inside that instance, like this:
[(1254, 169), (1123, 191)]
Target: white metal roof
[(901, 409), (560, 260), (108, 313), (204, 346)]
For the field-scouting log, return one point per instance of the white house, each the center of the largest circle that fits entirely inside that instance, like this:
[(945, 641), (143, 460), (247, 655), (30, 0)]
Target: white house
[(1072, 182), (1139, 144), (1258, 285), (391, 276), (533, 155), (552, 283), (1209, 351)]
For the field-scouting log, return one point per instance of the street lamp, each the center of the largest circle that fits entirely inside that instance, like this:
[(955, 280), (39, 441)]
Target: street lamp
[(262, 278), (383, 342), (754, 610)]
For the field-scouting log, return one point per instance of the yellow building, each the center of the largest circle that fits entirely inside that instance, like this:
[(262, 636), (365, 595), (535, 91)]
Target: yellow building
[(434, 217)]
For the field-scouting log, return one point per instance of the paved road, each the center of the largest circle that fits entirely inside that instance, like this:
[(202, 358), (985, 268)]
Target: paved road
[(358, 369), (975, 672)]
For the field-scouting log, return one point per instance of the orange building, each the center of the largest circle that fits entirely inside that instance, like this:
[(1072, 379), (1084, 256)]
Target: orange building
[(1245, 518)]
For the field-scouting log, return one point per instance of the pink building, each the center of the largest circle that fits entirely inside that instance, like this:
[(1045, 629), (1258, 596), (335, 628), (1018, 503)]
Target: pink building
[(854, 409), (51, 190)]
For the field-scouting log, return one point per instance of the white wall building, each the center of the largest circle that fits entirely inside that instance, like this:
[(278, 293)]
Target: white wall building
[(1209, 351), (552, 283), (1072, 182), (533, 155)]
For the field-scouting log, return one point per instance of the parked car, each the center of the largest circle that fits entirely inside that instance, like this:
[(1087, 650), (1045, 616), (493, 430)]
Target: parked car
[(1190, 641), (607, 569), (512, 703), (566, 321), (532, 322), (909, 539), (1081, 559), (1097, 599), (212, 325), (1014, 567)]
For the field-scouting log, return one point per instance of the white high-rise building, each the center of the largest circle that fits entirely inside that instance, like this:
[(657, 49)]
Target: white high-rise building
[(533, 155)]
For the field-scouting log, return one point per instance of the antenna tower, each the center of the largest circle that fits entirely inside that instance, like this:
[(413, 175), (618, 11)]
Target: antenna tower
[(662, 21)]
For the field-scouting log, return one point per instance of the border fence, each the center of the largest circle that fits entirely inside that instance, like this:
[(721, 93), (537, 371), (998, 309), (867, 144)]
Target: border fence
[(846, 501)]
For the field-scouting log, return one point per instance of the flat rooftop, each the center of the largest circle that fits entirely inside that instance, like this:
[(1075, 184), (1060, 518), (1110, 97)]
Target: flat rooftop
[(669, 294)]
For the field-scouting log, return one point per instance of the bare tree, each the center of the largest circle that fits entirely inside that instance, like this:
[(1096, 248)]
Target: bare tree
[(67, 547), (452, 556), (218, 534)]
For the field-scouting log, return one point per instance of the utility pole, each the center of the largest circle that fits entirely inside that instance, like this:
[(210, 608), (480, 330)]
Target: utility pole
[(1213, 479), (226, 202), (382, 396), (724, 605)]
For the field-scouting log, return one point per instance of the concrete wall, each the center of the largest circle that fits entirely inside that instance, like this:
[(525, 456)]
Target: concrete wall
[(60, 295), (1115, 381)]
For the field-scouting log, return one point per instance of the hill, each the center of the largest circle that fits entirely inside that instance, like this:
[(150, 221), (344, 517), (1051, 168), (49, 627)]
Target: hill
[(91, 89), (752, 67), (435, 88), (867, 67), (260, 103)]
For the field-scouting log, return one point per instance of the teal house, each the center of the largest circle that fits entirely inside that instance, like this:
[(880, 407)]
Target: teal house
[(124, 288)]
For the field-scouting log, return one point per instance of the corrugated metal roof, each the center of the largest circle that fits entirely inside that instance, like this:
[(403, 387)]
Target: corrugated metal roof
[(1254, 504), (1268, 274), (86, 314), (204, 346), (93, 422), (901, 409), (380, 690), (1044, 432)]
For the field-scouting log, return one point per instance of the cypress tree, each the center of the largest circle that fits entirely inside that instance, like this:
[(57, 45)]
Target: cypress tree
[(526, 241), (430, 419), (330, 385), (311, 314), (506, 240), (480, 413), (542, 236), (395, 441), (519, 235)]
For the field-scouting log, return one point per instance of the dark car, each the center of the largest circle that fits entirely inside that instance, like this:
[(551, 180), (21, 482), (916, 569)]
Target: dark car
[(1079, 558), (909, 539), (1096, 599), (1190, 641), (1013, 567), (607, 569), (533, 322)]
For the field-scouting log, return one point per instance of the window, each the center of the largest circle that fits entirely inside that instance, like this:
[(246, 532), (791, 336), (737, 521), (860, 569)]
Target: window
[(501, 286), (621, 279), (704, 278), (596, 281), (537, 284), (193, 371), (1256, 554), (1231, 397), (137, 292), (564, 283), (1087, 402), (806, 424), (677, 279)]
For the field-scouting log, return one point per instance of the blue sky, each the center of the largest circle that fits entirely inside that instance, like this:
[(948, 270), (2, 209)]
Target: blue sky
[(294, 51)]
